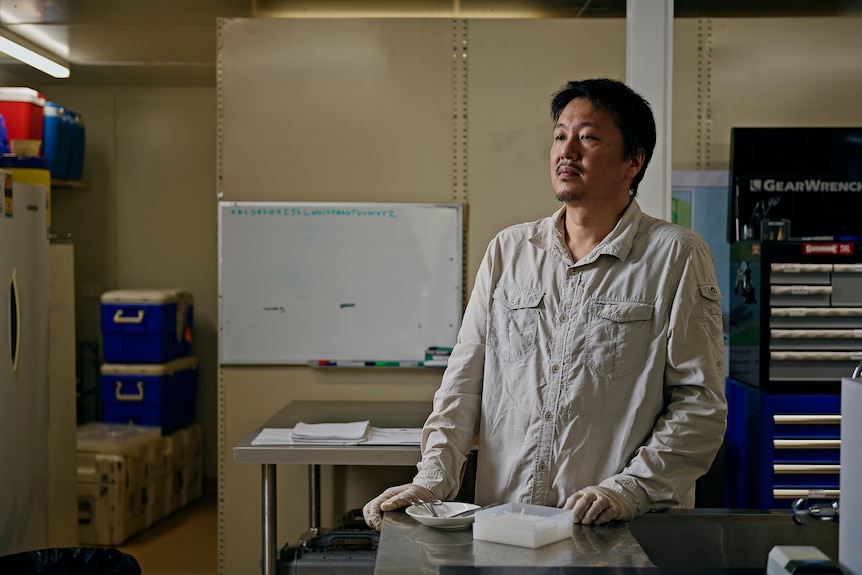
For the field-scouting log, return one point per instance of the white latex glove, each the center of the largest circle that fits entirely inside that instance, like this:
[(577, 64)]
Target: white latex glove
[(393, 498), (598, 505)]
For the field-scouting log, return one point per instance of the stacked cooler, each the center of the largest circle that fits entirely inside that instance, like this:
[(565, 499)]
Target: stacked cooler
[(143, 461), (148, 377), (63, 142), (131, 476), (120, 481), (32, 127), (183, 466)]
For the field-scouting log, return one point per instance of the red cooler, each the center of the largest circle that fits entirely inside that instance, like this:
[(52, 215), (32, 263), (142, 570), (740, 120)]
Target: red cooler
[(23, 109)]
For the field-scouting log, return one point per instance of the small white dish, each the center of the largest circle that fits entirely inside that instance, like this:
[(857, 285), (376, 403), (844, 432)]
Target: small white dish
[(444, 510)]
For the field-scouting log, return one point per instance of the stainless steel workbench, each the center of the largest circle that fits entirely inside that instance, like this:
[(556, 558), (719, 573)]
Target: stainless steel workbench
[(392, 414), (408, 548)]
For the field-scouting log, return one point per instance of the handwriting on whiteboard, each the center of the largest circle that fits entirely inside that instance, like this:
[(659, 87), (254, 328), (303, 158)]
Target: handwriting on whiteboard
[(307, 212)]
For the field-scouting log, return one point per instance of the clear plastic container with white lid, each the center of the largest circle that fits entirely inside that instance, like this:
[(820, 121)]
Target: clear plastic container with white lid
[(523, 524)]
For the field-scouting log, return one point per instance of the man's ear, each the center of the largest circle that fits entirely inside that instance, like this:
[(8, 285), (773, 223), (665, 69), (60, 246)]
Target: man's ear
[(636, 162)]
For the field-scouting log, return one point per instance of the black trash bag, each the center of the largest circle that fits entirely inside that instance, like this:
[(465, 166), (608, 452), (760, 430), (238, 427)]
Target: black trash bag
[(70, 561)]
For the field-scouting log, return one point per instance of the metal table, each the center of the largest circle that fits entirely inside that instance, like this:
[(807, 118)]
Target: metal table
[(387, 414)]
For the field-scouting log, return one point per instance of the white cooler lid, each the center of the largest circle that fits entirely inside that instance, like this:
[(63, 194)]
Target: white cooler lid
[(167, 368), (21, 94), (100, 437), (145, 296)]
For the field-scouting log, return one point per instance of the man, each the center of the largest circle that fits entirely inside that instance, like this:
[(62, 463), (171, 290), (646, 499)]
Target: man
[(590, 360)]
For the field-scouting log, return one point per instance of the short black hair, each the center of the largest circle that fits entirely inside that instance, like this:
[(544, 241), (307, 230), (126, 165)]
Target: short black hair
[(631, 112)]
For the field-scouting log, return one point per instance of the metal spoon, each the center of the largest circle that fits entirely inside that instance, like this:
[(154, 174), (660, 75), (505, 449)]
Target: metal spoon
[(469, 512), (428, 506)]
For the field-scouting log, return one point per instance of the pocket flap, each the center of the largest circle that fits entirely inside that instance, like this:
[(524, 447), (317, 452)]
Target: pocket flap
[(710, 292), (514, 297), (623, 311)]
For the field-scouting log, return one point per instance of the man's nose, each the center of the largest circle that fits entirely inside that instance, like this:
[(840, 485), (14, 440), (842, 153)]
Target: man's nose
[(569, 150)]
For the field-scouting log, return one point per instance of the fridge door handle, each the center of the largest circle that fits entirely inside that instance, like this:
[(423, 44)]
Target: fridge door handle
[(15, 321)]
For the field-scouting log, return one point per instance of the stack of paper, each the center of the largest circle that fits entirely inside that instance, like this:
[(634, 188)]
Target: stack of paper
[(355, 431), (376, 436)]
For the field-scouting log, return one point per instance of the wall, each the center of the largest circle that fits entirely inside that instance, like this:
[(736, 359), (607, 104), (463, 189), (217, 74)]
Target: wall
[(760, 72)]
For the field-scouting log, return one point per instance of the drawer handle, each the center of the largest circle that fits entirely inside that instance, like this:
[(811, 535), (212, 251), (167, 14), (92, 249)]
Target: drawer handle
[(826, 468), (810, 493), (806, 443), (130, 396), (120, 318), (779, 419)]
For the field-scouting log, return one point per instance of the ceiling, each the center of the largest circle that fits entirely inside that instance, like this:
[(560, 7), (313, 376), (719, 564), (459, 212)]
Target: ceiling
[(170, 42)]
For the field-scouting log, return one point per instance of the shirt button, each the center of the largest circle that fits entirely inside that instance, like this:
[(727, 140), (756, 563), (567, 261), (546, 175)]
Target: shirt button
[(555, 368), (563, 317), (549, 416), (571, 271), (542, 467)]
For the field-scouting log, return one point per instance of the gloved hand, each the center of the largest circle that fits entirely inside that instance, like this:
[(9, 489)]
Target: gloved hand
[(393, 498), (598, 505)]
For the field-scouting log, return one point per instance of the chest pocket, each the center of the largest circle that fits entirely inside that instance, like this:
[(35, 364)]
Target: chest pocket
[(514, 321), (617, 337)]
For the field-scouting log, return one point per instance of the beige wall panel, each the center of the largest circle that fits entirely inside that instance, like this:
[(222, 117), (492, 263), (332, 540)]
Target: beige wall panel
[(337, 110), (324, 110), (690, 81), (514, 67), (783, 72)]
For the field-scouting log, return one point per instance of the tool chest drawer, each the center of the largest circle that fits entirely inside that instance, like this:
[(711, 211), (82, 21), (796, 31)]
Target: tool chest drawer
[(781, 447)]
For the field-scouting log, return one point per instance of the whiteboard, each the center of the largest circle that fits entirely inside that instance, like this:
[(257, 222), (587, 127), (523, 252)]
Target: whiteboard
[(302, 281)]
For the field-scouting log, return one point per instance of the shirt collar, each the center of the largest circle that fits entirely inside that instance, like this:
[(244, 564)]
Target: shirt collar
[(618, 243)]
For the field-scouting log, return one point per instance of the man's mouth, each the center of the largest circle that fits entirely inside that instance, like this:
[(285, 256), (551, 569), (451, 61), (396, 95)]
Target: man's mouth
[(568, 170)]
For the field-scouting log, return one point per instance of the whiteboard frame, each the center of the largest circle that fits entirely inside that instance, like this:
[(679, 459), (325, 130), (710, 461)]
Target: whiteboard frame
[(227, 357)]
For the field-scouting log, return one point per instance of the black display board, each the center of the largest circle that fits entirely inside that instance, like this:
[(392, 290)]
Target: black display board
[(795, 183)]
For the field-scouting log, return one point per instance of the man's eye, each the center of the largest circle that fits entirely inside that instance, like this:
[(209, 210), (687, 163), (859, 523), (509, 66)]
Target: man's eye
[(587, 137), (559, 137)]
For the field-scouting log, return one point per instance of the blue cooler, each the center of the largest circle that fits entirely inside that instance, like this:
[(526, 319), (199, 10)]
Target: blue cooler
[(77, 143), (57, 134), (162, 395), (146, 325)]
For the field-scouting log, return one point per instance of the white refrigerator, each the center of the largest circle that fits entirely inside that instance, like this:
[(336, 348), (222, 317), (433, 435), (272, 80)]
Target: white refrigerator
[(24, 316)]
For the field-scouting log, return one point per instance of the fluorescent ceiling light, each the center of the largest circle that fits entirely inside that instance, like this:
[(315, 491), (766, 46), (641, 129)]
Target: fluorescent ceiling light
[(28, 56)]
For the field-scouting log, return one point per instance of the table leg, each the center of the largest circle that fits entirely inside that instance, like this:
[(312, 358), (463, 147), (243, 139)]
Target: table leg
[(314, 497), (268, 513)]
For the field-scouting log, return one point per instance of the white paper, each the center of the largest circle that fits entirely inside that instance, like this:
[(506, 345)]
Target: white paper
[(328, 432), (377, 436)]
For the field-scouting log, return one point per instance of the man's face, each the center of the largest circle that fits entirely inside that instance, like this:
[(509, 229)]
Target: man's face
[(588, 161)]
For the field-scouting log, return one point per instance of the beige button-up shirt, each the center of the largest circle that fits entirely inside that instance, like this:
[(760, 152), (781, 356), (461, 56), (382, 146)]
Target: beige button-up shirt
[(608, 371)]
